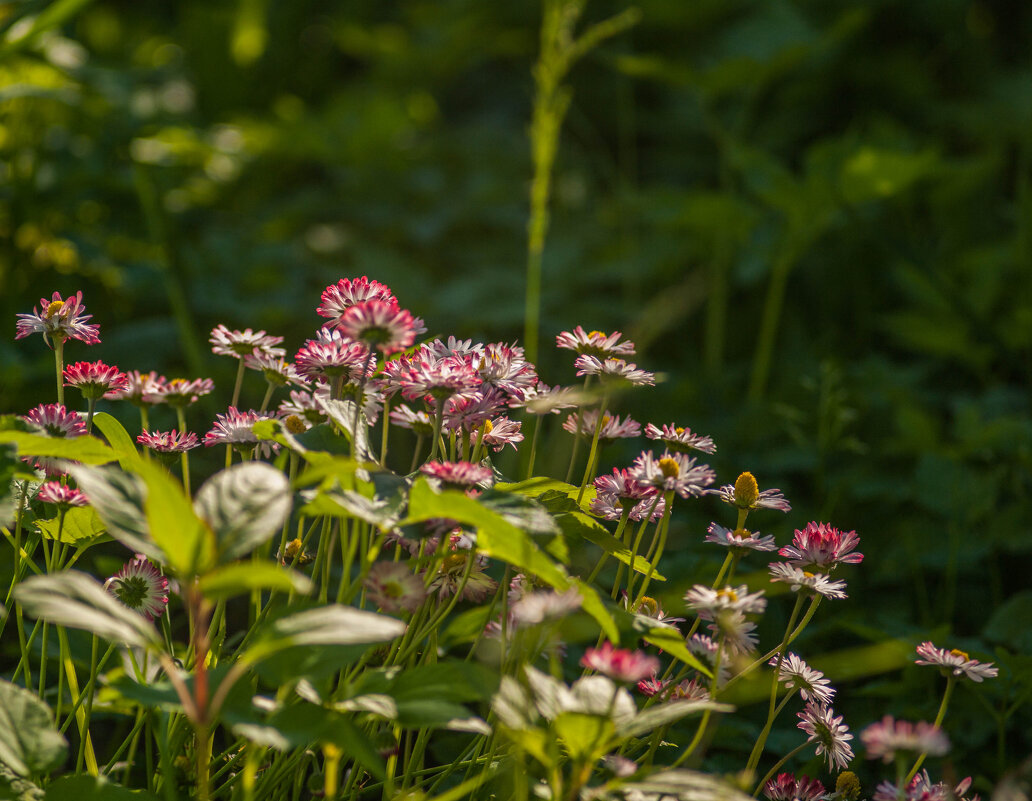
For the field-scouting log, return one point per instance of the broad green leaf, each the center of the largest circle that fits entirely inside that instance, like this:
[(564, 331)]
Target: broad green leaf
[(464, 627), (14, 788), (340, 468), (873, 173), (671, 641), (523, 512), (186, 541), (656, 717), (689, 785), (93, 788), (325, 625), (119, 498), (534, 741), (244, 505), (592, 603), (382, 513), (118, 438), (580, 524), (82, 527), (585, 736), (86, 449), (78, 601), (29, 741), (539, 485), (228, 581)]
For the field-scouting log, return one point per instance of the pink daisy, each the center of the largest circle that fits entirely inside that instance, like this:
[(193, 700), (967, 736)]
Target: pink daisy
[(739, 538), (613, 428), (594, 343), (93, 379), (542, 399), (505, 367), (243, 343), (795, 674), (237, 428), (955, 661), (140, 586), (614, 370), (680, 439), (378, 325), (458, 475), (329, 360), (140, 389), (885, 738), (418, 421), (828, 732), (620, 665), (745, 494), (816, 583), (610, 506), (672, 471), (180, 392), (439, 380), (58, 320), (61, 495), (338, 298), (500, 432), (168, 441), (54, 420), (786, 787), (823, 546)]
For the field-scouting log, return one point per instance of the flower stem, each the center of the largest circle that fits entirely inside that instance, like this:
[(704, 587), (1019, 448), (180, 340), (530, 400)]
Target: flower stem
[(593, 452), (950, 684), (778, 765), (59, 361)]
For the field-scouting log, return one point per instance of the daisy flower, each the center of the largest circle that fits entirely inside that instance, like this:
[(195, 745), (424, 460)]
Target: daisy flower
[(403, 416), (737, 635), (327, 360), (61, 495), (680, 439), (58, 320), (93, 379), (236, 428), (652, 686), (611, 507), (294, 549), (277, 370), (243, 343), (168, 441), (828, 732), (786, 787), (394, 588), (338, 298), (505, 367), (885, 738), (690, 690), (614, 370), (479, 586), (623, 486), (469, 412), (921, 788), (140, 586), (500, 432), (746, 494), (650, 611), (613, 428), (378, 324), (823, 546), (817, 583), (542, 399), (707, 602), (306, 404), (594, 343), (439, 380), (795, 674), (54, 420), (537, 607), (458, 475), (179, 392), (955, 661), (673, 472), (455, 347), (140, 389), (739, 538), (620, 665)]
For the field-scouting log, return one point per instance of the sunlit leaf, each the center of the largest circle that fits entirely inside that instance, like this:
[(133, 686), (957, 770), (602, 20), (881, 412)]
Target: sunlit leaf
[(244, 505), (29, 741)]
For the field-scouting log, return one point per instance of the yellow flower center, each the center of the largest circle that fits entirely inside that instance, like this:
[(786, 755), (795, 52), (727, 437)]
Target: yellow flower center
[(649, 605), (292, 548), (593, 334), (679, 430), (453, 563), (488, 427), (54, 307), (669, 467), (743, 533), (746, 491), (848, 785), (808, 574), (177, 384), (962, 654), (728, 593), (294, 424)]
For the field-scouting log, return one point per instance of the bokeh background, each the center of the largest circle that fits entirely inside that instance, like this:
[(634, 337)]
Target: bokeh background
[(814, 217)]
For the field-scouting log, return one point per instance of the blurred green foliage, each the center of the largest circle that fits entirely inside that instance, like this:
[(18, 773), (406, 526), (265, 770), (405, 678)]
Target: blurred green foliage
[(814, 217)]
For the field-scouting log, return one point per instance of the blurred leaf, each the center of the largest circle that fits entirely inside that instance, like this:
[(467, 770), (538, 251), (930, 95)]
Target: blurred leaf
[(118, 438), (586, 737), (874, 174), (93, 788), (82, 527), (85, 449), (29, 742), (119, 499), (671, 641), (244, 505), (227, 581)]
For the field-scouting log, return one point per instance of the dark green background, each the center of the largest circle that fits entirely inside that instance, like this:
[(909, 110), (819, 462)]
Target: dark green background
[(852, 178)]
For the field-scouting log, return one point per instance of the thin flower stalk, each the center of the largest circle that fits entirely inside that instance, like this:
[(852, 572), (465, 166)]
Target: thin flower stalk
[(589, 468), (951, 682)]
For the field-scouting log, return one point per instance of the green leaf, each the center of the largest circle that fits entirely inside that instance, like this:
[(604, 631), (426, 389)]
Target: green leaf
[(582, 525), (93, 788), (662, 715), (15, 788), (118, 438), (872, 173), (325, 625), (244, 505), (78, 601), (242, 577), (671, 641), (533, 741), (585, 736), (464, 627), (86, 449), (119, 499), (29, 741), (187, 543), (82, 527)]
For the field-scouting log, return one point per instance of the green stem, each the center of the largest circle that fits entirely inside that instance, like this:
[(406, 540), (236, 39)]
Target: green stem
[(950, 684), (91, 407), (593, 451), (59, 361), (777, 767)]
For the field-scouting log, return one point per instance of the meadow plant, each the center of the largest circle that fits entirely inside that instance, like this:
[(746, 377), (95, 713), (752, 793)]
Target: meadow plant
[(362, 604)]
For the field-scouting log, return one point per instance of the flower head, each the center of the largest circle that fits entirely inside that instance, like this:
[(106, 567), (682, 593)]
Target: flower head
[(237, 428), (338, 298), (393, 587), (93, 379), (816, 583), (277, 370), (746, 494), (786, 787), (616, 370), (707, 602), (885, 738), (458, 475), (610, 506), (594, 343), (378, 325), (61, 495), (673, 471), (327, 360), (828, 732), (795, 674), (239, 344), (955, 661), (680, 439), (542, 399), (403, 416), (140, 586), (180, 392), (739, 538), (140, 389), (613, 428), (54, 420), (537, 607), (822, 546), (921, 788), (449, 579), (505, 367), (58, 320), (440, 379), (500, 432), (620, 665), (168, 441)]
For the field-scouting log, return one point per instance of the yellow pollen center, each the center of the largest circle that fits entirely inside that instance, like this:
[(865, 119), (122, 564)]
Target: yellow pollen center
[(743, 533), (453, 562), (53, 308), (679, 430), (962, 654), (808, 574), (176, 384), (729, 594), (488, 427), (594, 334), (294, 424), (669, 467), (292, 548), (746, 491), (648, 604), (848, 785)]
